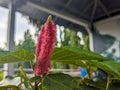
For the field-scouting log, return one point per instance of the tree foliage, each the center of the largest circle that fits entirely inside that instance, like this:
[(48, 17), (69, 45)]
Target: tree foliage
[(27, 44)]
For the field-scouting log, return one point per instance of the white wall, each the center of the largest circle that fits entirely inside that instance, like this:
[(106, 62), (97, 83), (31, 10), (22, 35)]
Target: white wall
[(110, 26)]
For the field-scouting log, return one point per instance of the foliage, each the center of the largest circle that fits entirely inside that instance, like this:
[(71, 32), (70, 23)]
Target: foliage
[(18, 56), (1, 76), (59, 81), (27, 44), (70, 38)]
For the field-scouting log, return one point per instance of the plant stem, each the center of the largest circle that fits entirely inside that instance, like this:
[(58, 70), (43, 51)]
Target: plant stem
[(41, 83), (89, 71), (38, 83), (36, 86), (108, 82), (32, 64)]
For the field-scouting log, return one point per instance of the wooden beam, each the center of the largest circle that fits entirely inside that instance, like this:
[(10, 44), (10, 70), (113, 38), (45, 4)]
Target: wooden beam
[(94, 10), (104, 8), (60, 14)]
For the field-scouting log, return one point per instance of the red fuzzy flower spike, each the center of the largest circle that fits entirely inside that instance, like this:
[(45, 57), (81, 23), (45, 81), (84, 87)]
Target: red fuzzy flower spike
[(46, 42), (39, 43)]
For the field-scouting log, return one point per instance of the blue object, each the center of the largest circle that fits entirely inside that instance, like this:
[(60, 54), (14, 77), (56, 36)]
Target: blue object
[(83, 72)]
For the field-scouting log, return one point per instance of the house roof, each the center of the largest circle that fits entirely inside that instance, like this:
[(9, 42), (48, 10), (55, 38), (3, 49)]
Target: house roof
[(74, 14)]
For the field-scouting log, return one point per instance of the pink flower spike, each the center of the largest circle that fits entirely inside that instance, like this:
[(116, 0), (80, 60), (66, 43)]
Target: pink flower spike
[(46, 47), (39, 43)]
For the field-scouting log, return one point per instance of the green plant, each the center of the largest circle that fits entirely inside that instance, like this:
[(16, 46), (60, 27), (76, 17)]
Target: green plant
[(67, 55), (59, 81)]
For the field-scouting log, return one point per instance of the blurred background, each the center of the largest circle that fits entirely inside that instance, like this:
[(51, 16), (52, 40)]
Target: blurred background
[(90, 25)]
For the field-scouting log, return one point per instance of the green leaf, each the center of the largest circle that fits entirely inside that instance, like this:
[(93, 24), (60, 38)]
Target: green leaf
[(1, 75), (88, 84), (76, 56), (87, 87), (59, 81), (35, 79), (23, 76), (90, 55), (111, 67), (115, 85), (71, 55), (17, 56), (4, 53), (98, 85)]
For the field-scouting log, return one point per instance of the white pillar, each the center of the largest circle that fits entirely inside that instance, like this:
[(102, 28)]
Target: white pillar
[(9, 68), (91, 45), (91, 41)]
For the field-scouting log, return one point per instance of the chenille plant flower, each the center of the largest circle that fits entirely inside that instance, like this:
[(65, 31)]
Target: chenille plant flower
[(45, 47)]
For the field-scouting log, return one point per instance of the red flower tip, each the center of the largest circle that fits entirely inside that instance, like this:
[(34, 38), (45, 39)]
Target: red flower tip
[(45, 47)]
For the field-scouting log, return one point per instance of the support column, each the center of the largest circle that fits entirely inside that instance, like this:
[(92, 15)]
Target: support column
[(9, 68), (90, 38), (118, 48)]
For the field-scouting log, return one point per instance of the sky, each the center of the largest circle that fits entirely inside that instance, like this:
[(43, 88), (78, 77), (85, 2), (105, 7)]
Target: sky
[(21, 25), (3, 26)]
